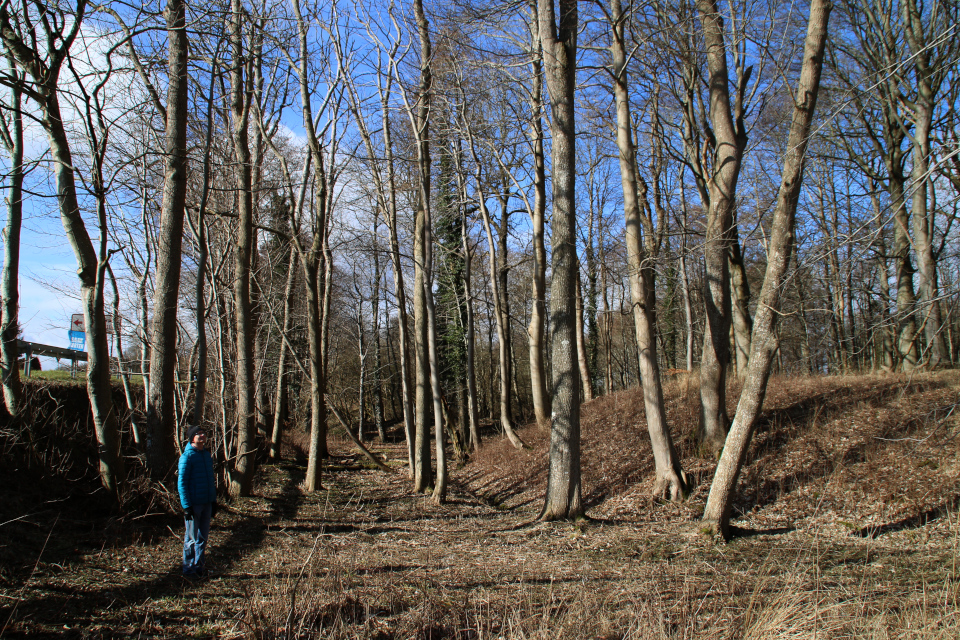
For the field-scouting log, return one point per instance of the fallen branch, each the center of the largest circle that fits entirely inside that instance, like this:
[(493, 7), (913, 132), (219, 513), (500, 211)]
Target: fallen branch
[(374, 459)]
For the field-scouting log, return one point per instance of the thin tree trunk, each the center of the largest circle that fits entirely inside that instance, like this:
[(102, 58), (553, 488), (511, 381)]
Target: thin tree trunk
[(422, 468), (403, 323), (276, 436), (200, 236), (90, 267), (535, 330), (671, 479), (740, 304), (12, 133), (377, 357), (886, 342), (503, 328), (583, 360), (122, 371), (472, 409), (499, 313), (765, 343), (685, 283)]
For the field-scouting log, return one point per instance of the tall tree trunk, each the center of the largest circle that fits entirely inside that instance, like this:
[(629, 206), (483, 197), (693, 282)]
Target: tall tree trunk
[(472, 408), (377, 357), (564, 494), (440, 486), (276, 435), (90, 268), (928, 79), (403, 323), (12, 133), (362, 365), (422, 468), (241, 472), (424, 319), (502, 292), (886, 341), (502, 326), (685, 283), (122, 370), (161, 424), (765, 343), (671, 479), (200, 236), (499, 313), (731, 140), (535, 330)]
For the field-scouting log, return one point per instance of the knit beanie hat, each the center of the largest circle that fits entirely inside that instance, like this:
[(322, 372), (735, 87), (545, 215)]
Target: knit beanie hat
[(193, 431)]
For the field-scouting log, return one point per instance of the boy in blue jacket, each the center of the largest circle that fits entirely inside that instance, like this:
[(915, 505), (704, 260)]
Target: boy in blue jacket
[(198, 497)]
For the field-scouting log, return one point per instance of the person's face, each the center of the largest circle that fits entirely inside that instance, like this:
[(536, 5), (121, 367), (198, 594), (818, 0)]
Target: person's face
[(200, 440)]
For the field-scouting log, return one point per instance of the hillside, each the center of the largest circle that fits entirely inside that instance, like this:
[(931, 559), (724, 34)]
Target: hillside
[(847, 520)]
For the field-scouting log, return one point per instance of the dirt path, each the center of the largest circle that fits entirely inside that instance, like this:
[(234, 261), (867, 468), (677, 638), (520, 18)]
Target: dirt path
[(366, 558)]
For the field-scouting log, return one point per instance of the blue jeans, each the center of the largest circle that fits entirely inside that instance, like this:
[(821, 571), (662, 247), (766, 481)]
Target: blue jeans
[(195, 539)]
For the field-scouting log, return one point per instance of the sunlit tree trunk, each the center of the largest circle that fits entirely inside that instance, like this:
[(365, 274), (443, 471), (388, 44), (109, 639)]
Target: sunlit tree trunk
[(928, 48), (731, 139), (90, 267), (558, 33), (765, 344), (12, 134), (535, 330), (670, 477)]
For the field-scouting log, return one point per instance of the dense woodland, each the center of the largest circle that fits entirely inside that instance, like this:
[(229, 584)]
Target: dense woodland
[(422, 218)]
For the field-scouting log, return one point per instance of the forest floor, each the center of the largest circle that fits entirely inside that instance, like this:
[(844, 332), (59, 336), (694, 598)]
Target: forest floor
[(848, 526)]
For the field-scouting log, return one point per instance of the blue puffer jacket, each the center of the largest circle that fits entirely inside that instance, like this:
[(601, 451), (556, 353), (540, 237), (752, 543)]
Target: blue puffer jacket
[(195, 479)]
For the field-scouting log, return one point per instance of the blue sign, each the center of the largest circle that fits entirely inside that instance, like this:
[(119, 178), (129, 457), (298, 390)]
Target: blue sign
[(78, 340)]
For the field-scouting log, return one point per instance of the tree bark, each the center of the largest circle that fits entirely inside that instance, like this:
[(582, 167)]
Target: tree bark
[(671, 479), (558, 34), (731, 140), (90, 267), (765, 343), (241, 472), (161, 423), (583, 360), (424, 322), (928, 79), (276, 435), (12, 133), (535, 330), (740, 304)]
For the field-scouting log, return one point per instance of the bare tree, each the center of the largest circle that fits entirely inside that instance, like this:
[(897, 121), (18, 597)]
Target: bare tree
[(11, 132), (161, 423), (927, 31), (670, 477), (242, 468), (730, 136), (58, 28), (780, 248), (558, 34)]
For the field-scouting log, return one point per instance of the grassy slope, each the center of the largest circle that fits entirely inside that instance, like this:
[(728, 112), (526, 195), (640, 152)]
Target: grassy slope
[(849, 502)]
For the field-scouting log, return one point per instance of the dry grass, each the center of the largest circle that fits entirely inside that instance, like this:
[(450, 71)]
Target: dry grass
[(848, 512)]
